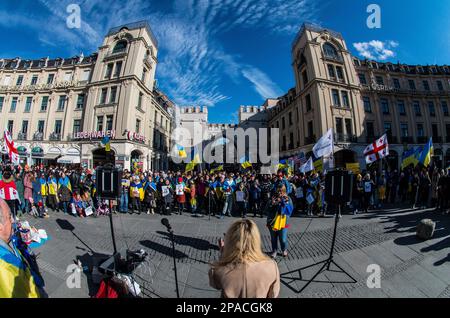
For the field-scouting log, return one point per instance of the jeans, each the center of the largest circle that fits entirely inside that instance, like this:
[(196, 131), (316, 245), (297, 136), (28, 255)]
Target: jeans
[(65, 205), (228, 205), (123, 203), (279, 236)]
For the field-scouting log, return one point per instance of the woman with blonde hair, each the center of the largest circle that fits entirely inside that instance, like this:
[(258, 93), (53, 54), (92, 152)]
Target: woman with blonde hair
[(243, 270)]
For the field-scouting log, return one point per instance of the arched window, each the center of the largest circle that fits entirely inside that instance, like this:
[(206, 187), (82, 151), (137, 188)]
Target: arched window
[(331, 52), (120, 47)]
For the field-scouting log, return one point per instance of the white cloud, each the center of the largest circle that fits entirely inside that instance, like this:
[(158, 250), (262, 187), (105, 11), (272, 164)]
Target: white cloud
[(192, 60), (265, 87), (376, 50)]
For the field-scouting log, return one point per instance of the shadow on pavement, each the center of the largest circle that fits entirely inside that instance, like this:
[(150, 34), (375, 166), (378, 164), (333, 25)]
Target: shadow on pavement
[(408, 224), (196, 243), (163, 249), (90, 263)]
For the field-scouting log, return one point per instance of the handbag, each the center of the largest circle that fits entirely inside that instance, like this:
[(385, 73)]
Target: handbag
[(279, 222)]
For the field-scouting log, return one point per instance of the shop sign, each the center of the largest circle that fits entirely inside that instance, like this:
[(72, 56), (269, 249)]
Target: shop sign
[(133, 136), (28, 88), (89, 135)]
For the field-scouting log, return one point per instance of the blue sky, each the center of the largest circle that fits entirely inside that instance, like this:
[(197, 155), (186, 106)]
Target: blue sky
[(227, 53)]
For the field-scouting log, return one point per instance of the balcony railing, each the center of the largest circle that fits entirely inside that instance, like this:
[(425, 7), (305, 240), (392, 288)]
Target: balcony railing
[(22, 136), (38, 136), (55, 137), (346, 138)]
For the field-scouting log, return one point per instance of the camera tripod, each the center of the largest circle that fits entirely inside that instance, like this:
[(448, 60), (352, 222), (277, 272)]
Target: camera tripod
[(326, 264)]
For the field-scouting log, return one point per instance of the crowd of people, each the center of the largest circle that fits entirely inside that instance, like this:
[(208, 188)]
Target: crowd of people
[(73, 191), (40, 191)]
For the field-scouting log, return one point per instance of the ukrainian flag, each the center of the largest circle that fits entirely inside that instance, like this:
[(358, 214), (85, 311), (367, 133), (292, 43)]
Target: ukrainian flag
[(245, 163), (191, 165), (411, 157), (220, 168), (283, 165), (427, 152), (107, 142), (181, 152)]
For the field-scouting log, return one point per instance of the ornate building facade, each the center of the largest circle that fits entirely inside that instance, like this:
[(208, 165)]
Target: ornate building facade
[(59, 110), (360, 100)]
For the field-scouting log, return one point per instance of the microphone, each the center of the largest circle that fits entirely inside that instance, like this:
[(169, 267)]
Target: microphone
[(166, 223)]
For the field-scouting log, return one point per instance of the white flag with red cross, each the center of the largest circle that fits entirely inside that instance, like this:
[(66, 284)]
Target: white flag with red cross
[(377, 150), (12, 150)]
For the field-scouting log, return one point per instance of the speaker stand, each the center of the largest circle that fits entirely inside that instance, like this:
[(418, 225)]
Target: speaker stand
[(326, 264)]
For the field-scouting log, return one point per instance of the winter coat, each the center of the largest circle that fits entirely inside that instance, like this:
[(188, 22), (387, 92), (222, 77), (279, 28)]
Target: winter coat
[(28, 188)]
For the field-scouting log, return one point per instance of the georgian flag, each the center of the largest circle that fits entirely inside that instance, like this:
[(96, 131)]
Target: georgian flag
[(9, 194), (12, 150), (378, 150)]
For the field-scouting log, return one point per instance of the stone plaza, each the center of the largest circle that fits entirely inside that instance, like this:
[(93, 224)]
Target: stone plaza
[(410, 267)]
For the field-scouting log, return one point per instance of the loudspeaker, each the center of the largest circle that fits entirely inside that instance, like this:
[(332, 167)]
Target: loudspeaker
[(338, 187), (108, 182)]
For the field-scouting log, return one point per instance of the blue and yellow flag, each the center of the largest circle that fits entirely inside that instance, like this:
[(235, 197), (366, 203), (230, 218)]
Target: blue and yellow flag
[(283, 165), (427, 152), (191, 165), (219, 168), (65, 183), (245, 162), (181, 152), (411, 157), (107, 142)]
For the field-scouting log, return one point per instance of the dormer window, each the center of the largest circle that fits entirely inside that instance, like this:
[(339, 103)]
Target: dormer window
[(120, 47)]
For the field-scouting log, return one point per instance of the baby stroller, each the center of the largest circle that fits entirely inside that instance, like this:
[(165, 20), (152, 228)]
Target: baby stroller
[(103, 208)]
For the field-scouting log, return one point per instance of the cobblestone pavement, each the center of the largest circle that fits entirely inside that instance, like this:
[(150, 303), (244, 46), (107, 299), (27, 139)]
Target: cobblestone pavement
[(409, 267)]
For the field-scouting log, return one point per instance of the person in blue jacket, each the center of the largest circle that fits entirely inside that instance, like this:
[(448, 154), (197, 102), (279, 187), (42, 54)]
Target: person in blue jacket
[(281, 205)]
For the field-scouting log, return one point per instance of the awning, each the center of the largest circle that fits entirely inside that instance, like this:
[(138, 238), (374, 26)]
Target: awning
[(51, 156), (69, 160)]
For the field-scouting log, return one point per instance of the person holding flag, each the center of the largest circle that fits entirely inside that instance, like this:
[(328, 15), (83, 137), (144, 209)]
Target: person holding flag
[(44, 190), (8, 191), (64, 192), (52, 184), (228, 189), (136, 194), (11, 148)]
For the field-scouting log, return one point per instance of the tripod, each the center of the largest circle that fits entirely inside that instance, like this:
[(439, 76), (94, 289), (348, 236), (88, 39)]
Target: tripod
[(326, 264)]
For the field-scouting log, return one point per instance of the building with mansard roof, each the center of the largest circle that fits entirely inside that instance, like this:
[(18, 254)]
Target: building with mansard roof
[(360, 100), (59, 110)]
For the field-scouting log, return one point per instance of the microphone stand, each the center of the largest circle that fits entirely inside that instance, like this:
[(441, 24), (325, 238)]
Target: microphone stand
[(172, 238)]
